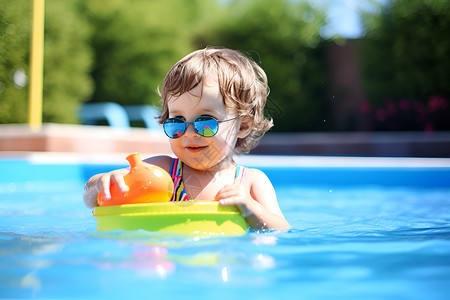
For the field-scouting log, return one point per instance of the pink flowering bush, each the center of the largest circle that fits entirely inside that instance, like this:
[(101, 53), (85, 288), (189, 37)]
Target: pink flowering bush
[(404, 114)]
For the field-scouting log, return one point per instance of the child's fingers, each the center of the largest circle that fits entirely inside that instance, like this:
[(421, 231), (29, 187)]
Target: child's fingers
[(105, 181), (119, 182), (226, 192), (110, 178), (229, 201), (231, 195), (242, 205)]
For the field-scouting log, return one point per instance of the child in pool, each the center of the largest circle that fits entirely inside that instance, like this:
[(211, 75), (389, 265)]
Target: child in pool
[(213, 101)]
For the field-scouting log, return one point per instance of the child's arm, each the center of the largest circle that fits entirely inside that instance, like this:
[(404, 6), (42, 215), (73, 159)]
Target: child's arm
[(258, 205), (102, 182)]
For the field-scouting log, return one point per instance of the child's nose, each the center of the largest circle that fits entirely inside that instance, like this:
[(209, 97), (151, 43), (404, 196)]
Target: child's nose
[(190, 130)]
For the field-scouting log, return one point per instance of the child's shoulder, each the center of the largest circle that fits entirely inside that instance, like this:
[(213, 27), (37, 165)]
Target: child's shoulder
[(256, 176), (261, 187), (163, 161)]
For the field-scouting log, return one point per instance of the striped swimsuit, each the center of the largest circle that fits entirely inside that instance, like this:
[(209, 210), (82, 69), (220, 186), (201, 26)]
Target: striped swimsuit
[(176, 171)]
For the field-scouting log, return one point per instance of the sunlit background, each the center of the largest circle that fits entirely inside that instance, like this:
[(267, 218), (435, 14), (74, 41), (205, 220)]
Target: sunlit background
[(333, 66)]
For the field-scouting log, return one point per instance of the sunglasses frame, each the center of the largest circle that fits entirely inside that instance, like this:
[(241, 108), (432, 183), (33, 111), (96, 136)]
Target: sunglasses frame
[(186, 124)]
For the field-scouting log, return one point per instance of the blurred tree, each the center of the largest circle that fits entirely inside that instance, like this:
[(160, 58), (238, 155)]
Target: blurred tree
[(137, 41), (120, 50), (67, 60), (15, 23), (283, 37), (406, 51)]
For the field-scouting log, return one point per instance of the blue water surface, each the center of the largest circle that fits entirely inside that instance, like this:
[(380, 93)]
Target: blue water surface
[(356, 234)]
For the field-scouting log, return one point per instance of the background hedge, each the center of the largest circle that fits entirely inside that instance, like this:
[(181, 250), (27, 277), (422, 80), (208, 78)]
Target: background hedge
[(120, 50)]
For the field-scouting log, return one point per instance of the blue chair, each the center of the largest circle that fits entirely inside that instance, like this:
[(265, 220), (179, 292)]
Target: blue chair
[(113, 113), (146, 113)]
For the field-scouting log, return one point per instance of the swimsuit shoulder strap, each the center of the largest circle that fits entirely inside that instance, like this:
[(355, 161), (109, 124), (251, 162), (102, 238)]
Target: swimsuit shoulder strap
[(241, 174), (175, 168), (176, 172)]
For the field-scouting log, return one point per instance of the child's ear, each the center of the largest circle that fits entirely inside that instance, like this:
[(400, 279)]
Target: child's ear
[(245, 128)]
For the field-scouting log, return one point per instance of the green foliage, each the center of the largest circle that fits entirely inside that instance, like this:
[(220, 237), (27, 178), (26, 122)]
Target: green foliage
[(137, 41), (67, 60), (283, 37), (15, 23), (120, 50), (405, 53)]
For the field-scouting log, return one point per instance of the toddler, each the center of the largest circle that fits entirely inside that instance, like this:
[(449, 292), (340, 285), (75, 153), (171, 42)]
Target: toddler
[(212, 107)]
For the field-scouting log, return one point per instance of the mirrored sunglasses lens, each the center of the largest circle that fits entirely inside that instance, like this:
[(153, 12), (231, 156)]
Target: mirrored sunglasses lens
[(174, 128), (206, 126)]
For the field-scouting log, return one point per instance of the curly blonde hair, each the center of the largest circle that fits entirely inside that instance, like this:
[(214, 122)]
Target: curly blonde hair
[(242, 83)]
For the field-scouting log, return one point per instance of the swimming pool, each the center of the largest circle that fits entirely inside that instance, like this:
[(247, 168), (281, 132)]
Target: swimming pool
[(361, 229)]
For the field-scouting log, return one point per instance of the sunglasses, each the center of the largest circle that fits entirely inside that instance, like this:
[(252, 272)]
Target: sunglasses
[(206, 126)]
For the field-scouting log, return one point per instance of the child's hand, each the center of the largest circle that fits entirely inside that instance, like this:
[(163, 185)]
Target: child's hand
[(237, 194), (258, 206), (108, 179)]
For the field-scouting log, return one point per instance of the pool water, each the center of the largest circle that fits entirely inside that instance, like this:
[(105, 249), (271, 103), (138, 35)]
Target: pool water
[(357, 233)]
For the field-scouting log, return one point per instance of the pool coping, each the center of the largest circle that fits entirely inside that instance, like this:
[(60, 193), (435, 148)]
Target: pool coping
[(103, 139)]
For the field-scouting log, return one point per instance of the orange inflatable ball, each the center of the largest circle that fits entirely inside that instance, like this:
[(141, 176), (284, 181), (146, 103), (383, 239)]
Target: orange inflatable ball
[(147, 184)]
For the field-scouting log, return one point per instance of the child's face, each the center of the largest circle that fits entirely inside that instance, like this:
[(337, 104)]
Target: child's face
[(198, 152)]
